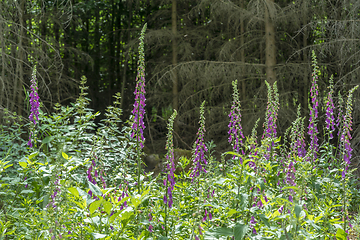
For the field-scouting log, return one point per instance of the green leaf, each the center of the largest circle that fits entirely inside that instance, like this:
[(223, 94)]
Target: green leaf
[(95, 205), (341, 234), (23, 164), (232, 212), (74, 191), (291, 187), (115, 215), (48, 139), (221, 231), (64, 155), (126, 214), (264, 219), (136, 200), (240, 231), (32, 155), (95, 189), (99, 235), (298, 209), (107, 207), (26, 191)]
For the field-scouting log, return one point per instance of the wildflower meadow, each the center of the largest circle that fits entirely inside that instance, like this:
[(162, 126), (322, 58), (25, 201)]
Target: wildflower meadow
[(74, 179)]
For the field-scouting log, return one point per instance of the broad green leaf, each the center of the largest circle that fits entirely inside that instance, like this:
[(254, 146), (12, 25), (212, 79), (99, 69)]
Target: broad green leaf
[(82, 204), (99, 235), (74, 191), (232, 212), (240, 231), (298, 209), (126, 214), (136, 200), (221, 231), (48, 139), (115, 215), (94, 205), (95, 189), (32, 155), (27, 191), (341, 234), (23, 164), (264, 219), (107, 207)]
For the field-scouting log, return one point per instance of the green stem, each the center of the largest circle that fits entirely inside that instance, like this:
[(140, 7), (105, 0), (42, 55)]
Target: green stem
[(139, 164), (166, 205), (344, 204)]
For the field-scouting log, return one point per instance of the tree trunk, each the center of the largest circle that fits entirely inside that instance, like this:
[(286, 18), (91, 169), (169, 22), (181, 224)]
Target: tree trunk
[(270, 48), (174, 63), (123, 84), (242, 54), (305, 60)]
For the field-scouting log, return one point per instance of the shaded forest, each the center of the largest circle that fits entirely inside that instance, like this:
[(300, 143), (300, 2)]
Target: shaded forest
[(193, 51)]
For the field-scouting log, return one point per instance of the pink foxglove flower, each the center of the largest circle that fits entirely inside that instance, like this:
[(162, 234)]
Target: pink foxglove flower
[(314, 92), (345, 134), (34, 103), (138, 112), (235, 129), (199, 160)]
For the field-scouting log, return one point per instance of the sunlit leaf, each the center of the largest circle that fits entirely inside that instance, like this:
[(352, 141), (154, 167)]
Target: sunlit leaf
[(94, 205), (74, 191), (240, 231), (107, 206)]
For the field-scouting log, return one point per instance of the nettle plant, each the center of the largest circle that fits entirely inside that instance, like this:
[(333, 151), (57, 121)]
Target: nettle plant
[(74, 179)]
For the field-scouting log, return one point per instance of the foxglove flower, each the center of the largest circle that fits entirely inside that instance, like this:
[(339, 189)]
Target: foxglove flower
[(271, 111), (235, 129), (314, 92), (252, 224), (34, 103), (345, 135), (138, 112), (200, 148), (170, 166), (330, 120), (52, 202)]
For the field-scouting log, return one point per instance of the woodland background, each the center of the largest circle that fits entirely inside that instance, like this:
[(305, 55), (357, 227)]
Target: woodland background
[(194, 50)]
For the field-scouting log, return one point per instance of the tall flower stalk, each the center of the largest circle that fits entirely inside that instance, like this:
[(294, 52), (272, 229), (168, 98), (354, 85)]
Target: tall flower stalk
[(314, 92), (235, 129), (170, 167), (271, 118), (330, 119), (35, 104), (138, 112), (199, 162), (346, 146), (271, 111)]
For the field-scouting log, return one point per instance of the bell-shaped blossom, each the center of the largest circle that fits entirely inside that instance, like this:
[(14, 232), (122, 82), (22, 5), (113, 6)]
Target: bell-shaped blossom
[(34, 103), (199, 161), (138, 112), (169, 182), (314, 92), (235, 129), (345, 134)]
